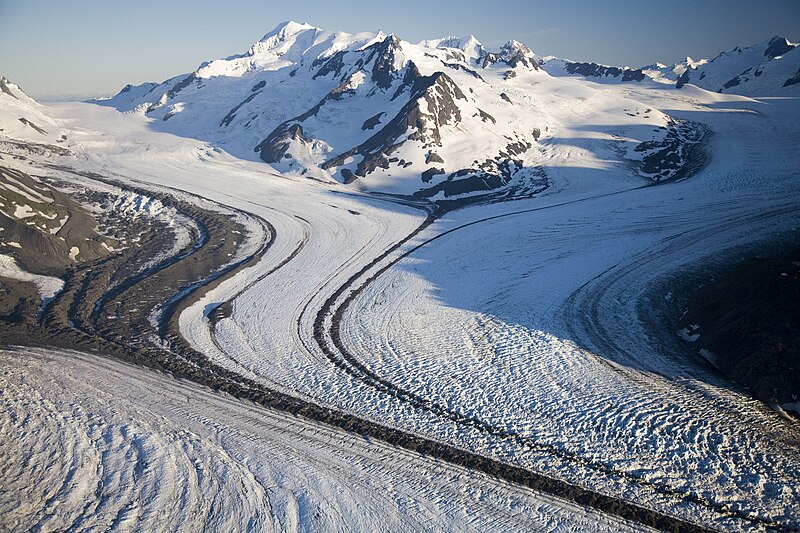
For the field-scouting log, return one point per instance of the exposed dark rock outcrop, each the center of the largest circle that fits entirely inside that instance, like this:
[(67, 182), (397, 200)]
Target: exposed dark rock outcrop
[(371, 122), (433, 157), (144, 88), (149, 86), (181, 85), (486, 117), (778, 46), (41, 226), (489, 175), (793, 80), (464, 182), (681, 153), (733, 82), (683, 79), (232, 113), (513, 54), (439, 93), (329, 65), (458, 66), (32, 125), (409, 80), (275, 147), (384, 68), (593, 70), (430, 173), (341, 90)]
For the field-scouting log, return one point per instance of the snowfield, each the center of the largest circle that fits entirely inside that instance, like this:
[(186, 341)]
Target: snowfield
[(539, 331)]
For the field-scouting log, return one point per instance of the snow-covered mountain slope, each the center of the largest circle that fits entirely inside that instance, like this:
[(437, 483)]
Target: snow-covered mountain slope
[(760, 69), (22, 118), (500, 323), (443, 118), (763, 68)]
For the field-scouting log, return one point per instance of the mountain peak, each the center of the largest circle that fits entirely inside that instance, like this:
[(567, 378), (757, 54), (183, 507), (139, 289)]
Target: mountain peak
[(288, 28), (282, 35), (513, 44), (778, 46), (513, 53), (392, 40), (4, 86), (12, 89), (469, 44), (387, 62)]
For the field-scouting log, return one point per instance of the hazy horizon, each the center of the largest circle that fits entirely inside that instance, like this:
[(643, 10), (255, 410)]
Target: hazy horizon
[(62, 50)]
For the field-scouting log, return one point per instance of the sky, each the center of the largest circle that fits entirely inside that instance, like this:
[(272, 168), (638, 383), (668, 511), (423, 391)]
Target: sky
[(81, 48)]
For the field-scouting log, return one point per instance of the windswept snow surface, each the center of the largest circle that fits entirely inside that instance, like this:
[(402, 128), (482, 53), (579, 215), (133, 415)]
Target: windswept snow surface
[(90, 444), (536, 331)]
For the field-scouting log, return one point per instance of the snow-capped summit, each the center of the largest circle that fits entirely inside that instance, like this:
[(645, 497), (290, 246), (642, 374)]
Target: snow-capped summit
[(14, 91), (289, 43), (470, 46), (441, 118), (680, 67), (280, 34), (671, 73), (282, 38), (513, 54), (293, 40)]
